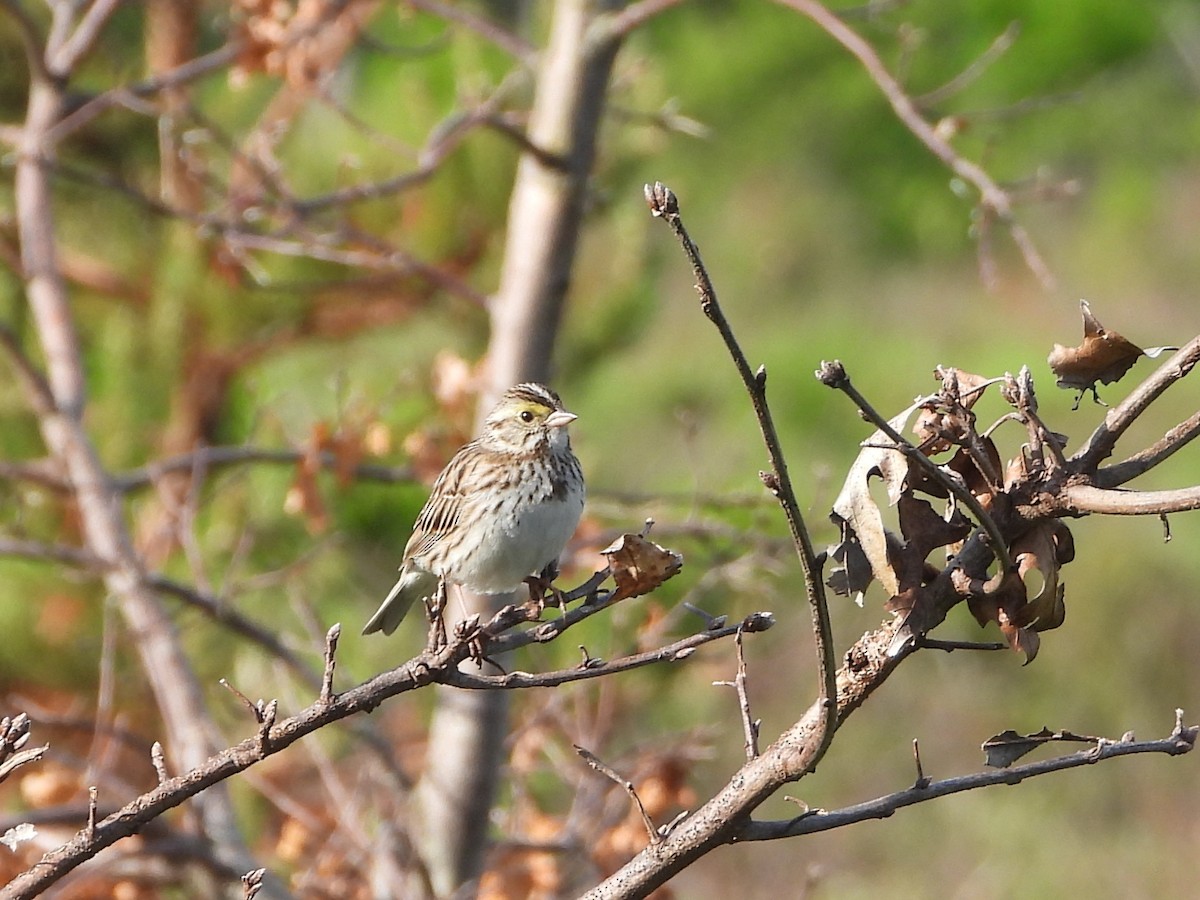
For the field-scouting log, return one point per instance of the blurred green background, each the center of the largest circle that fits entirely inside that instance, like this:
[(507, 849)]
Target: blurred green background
[(829, 233)]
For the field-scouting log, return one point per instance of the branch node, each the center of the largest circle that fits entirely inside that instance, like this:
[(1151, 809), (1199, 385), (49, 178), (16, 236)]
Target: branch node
[(589, 661), (266, 722), (770, 481)]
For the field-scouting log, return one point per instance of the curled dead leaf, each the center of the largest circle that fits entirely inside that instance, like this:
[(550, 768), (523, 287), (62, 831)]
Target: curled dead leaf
[(1043, 550), (946, 419), (639, 565), (1029, 599), (1104, 356), (857, 514), (1002, 750), (1003, 603)]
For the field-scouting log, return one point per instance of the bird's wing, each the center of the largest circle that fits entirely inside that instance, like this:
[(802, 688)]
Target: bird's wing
[(450, 501)]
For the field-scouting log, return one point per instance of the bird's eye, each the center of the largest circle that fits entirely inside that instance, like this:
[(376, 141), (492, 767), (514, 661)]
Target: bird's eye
[(526, 416)]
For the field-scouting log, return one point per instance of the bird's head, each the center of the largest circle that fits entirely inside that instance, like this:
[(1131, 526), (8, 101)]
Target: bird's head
[(526, 418)]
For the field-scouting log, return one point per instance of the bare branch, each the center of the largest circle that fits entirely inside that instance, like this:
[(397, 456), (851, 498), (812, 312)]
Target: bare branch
[(1175, 439), (997, 48), (596, 668), (502, 38), (623, 23), (62, 60), (210, 458), (1182, 740), (1085, 498), (664, 204), (994, 200), (750, 726), (31, 40)]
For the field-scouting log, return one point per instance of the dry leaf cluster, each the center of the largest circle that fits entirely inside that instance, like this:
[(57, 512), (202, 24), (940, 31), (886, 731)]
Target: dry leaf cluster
[(931, 515)]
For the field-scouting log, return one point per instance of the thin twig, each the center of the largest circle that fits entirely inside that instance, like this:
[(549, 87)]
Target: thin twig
[(331, 642), (220, 457), (665, 205), (507, 41), (1145, 460), (91, 818), (922, 781), (600, 766), (997, 48), (158, 759), (65, 58), (593, 667), (750, 726), (632, 17), (928, 643)]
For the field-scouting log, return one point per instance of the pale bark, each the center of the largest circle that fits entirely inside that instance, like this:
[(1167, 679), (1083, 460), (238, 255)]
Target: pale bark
[(60, 414), (466, 744)]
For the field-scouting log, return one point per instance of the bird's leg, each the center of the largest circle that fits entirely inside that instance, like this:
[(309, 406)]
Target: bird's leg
[(543, 583), (435, 606)]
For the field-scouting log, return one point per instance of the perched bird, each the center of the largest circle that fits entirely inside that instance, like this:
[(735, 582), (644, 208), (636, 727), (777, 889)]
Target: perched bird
[(503, 508)]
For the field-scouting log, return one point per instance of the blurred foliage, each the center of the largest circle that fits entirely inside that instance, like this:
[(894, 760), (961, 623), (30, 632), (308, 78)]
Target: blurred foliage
[(829, 231)]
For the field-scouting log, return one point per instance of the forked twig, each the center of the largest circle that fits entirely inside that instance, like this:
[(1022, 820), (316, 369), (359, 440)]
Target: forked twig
[(750, 725)]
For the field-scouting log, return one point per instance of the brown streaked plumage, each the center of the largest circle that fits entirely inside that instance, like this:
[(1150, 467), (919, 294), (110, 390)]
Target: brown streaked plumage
[(503, 508)]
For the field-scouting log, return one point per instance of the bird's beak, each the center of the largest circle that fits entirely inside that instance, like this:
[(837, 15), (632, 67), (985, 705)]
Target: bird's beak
[(559, 418)]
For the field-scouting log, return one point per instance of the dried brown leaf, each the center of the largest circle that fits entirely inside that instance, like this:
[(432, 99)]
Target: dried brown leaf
[(946, 418), (1104, 356), (856, 511), (639, 566), (852, 576), (1003, 604), (925, 529), (1042, 550), (1002, 750)]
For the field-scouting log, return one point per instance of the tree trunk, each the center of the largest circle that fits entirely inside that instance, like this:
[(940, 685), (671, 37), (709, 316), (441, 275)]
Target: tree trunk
[(466, 744)]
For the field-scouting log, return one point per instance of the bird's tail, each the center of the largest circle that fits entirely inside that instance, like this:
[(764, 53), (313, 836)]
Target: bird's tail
[(414, 584)]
